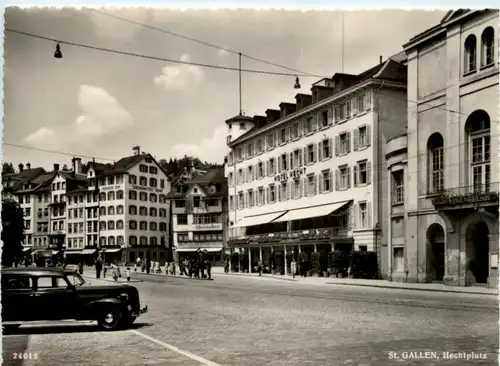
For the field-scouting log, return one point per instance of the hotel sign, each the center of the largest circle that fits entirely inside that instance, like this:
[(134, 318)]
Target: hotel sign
[(208, 226), (109, 188), (147, 189), (296, 173)]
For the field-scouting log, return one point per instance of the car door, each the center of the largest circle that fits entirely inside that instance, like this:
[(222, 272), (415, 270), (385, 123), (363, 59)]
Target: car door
[(16, 297), (57, 298)]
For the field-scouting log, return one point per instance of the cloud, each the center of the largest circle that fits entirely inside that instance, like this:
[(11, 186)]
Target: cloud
[(102, 116), (179, 77), (212, 149), (223, 53)]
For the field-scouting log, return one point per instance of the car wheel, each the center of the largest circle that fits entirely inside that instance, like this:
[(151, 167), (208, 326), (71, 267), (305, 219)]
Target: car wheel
[(110, 318), (11, 327)]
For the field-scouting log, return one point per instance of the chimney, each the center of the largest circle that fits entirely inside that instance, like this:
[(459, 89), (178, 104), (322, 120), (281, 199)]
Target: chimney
[(21, 167), (28, 166), (77, 165), (137, 150), (380, 58), (56, 167)]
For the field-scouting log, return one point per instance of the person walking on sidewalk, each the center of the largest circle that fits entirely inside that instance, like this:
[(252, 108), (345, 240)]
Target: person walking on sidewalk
[(98, 267), (208, 266), (293, 267), (80, 267), (226, 266), (259, 267)]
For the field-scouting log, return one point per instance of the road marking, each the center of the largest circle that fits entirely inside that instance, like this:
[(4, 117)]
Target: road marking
[(175, 349)]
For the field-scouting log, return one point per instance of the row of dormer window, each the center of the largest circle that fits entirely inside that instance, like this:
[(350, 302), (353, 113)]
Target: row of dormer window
[(304, 127), (306, 186), (300, 157)]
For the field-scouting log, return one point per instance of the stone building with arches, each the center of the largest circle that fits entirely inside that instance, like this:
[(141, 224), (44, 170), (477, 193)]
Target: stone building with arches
[(445, 171)]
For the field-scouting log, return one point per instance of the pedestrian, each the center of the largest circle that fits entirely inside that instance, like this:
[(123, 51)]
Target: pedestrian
[(148, 265), (293, 267), (137, 263), (98, 267), (208, 265), (128, 274), (105, 269), (226, 266), (80, 267), (259, 267), (182, 268), (174, 270), (303, 272), (114, 268)]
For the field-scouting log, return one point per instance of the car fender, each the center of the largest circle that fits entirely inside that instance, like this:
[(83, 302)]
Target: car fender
[(93, 307)]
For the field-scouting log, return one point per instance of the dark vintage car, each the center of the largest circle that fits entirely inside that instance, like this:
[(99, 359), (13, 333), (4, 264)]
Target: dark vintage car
[(52, 294)]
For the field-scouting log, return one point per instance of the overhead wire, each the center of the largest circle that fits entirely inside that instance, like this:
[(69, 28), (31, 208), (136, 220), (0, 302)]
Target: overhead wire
[(165, 31), (139, 55)]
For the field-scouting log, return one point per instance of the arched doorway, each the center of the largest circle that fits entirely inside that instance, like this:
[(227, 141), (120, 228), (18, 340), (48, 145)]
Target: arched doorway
[(435, 251), (478, 247)]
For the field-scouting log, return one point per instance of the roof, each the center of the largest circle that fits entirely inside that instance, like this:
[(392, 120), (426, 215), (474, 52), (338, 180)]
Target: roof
[(21, 178), (214, 176)]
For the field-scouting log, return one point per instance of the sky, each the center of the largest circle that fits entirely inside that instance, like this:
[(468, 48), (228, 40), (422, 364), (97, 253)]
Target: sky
[(99, 104)]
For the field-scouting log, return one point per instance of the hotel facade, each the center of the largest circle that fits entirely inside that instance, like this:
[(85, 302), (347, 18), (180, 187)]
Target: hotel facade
[(445, 170), (309, 176)]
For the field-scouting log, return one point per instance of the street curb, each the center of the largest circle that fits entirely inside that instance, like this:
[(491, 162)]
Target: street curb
[(171, 276), (218, 274), (249, 275), (107, 280), (411, 288)]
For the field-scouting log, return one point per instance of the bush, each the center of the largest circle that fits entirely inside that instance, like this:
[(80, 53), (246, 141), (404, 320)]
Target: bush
[(364, 265), (323, 261), (315, 264), (339, 261)]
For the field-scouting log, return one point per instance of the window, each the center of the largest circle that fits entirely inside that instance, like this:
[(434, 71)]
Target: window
[(478, 130), (325, 149), (297, 159), (241, 201), (326, 181), (272, 167), (153, 197), (143, 240), (153, 212), (343, 145), (242, 126), (324, 118), (132, 210), (182, 220), (133, 225), (261, 200), (399, 260), (250, 200), (102, 197), (153, 226), (196, 201), (153, 182), (111, 196), (487, 47), (153, 170), (361, 103), (295, 130), (162, 183), (143, 196), (119, 210), (398, 192), (51, 282), (363, 214), (311, 156), (180, 203), (249, 174), (344, 181), (309, 125), (362, 137), (111, 210), (284, 163), (362, 173), (249, 150), (239, 153), (143, 181), (470, 54), (259, 146), (143, 225), (435, 146), (261, 170), (284, 191), (119, 224), (270, 141), (241, 178), (297, 188), (182, 237), (132, 195), (272, 193), (311, 187), (163, 212), (132, 179), (111, 225)]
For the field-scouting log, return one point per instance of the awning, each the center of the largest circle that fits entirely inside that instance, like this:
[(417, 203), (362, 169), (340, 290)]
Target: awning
[(113, 250), (88, 251), (308, 212), (43, 253), (259, 220), (72, 251), (209, 250), (26, 249), (55, 252)]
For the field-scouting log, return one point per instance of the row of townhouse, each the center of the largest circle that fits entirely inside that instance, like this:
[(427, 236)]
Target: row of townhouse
[(401, 160), (120, 209)]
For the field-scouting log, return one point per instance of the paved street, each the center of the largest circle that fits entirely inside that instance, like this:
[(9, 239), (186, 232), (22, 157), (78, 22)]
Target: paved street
[(259, 321)]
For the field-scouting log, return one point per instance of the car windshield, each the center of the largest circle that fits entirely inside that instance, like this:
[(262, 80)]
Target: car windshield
[(75, 279)]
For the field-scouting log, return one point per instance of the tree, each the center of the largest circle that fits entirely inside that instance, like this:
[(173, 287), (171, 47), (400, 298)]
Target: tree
[(12, 232), (8, 168)]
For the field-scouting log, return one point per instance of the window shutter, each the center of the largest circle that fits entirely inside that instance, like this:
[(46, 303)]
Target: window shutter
[(301, 127), (337, 179), (292, 162), (330, 116), (355, 176), (315, 185), (289, 191), (354, 106), (349, 177), (301, 188), (306, 157), (330, 175), (246, 197), (279, 164), (267, 169), (355, 216), (348, 142), (315, 153), (287, 133), (337, 143), (255, 197), (369, 214), (368, 135), (321, 183), (299, 164), (368, 172), (268, 195), (348, 111), (320, 150), (315, 122), (368, 103), (306, 187), (337, 113), (356, 139), (330, 150)]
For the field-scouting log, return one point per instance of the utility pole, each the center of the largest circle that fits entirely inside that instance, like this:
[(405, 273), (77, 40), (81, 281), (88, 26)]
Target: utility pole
[(239, 72)]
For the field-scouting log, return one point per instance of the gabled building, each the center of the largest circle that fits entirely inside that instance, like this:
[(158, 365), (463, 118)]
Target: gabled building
[(312, 176), (445, 171), (199, 213)]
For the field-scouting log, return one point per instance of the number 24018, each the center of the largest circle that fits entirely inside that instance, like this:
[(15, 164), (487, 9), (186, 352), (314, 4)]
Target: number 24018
[(25, 356)]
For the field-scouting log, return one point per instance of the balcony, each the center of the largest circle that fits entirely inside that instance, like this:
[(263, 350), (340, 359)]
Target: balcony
[(294, 237), (467, 197)]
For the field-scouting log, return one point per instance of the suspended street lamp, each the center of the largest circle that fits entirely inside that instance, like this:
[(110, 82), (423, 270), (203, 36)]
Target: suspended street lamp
[(58, 53), (297, 83)]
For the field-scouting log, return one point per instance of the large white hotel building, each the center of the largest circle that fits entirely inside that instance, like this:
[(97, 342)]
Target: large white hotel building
[(310, 175)]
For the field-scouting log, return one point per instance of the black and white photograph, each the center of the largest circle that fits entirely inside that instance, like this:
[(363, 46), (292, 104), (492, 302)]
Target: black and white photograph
[(244, 186)]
